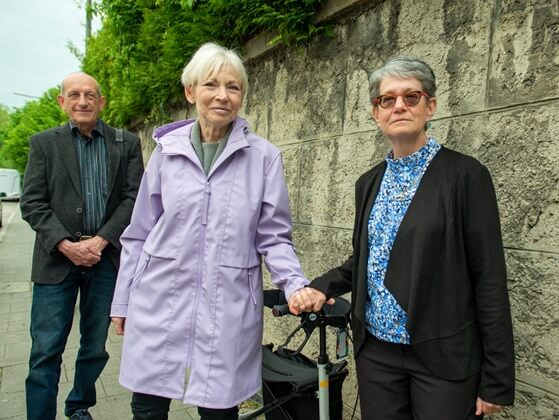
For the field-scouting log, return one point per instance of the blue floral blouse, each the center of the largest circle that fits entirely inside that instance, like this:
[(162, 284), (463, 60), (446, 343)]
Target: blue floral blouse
[(385, 319)]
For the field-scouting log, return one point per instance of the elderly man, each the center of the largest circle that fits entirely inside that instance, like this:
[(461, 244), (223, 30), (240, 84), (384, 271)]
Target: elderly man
[(79, 189)]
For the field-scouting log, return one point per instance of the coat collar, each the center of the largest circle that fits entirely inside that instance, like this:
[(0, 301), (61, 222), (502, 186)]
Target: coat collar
[(175, 139)]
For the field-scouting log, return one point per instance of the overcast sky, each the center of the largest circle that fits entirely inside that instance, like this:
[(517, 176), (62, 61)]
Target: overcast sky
[(33, 43)]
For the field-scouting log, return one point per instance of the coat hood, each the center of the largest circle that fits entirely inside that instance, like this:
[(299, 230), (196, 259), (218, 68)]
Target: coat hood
[(171, 137)]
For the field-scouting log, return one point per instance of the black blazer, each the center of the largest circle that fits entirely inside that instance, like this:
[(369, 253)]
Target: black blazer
[(446, 270), (51, 200)]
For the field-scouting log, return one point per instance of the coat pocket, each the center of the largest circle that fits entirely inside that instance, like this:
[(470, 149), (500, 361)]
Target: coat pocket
[(141, 268), (251, 285), (150, 259), (249, 268)]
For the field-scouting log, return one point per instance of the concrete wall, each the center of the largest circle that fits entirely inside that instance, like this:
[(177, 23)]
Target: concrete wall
[(497, 64)]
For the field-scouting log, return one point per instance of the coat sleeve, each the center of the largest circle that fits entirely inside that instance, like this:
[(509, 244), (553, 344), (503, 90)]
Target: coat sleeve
[(119, 219), (486, 263), (337, 281), (273, 232), (147, 211), (35, 199)]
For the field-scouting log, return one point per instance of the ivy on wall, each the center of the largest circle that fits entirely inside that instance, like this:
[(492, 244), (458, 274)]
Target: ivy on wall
[(139, 53)]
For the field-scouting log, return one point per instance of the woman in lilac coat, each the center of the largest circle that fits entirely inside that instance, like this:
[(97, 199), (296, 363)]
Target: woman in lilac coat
[(188, 297)]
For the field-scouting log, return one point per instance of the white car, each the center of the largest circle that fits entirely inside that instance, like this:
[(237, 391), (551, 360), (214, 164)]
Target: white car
[(10, 184)]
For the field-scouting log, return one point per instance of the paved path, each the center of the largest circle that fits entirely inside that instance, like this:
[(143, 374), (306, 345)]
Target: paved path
[(16, 244)]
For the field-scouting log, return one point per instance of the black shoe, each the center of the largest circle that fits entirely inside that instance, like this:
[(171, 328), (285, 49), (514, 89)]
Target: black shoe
[(81, 414)]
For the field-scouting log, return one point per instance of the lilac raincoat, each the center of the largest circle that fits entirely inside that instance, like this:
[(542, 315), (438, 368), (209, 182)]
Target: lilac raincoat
[(190, 282)]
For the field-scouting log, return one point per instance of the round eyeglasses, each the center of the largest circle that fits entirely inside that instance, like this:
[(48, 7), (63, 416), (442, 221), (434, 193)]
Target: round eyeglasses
[(411, 98)]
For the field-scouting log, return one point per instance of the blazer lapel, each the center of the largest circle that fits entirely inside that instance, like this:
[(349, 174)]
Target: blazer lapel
[(67, 149), (422, 203), (371, 188), (114, 152), (369, 192)]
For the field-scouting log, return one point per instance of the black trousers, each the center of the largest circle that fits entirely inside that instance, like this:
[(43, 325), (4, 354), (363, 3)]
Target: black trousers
[(152, 407), (395, 385)]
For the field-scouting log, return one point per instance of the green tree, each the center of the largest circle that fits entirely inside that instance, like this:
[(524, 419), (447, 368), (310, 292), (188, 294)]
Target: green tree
[(139, 53), (4, 122), (35, 116)]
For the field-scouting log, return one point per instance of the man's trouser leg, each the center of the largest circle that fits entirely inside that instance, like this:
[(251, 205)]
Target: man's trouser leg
[(96, 294), (52, 312)]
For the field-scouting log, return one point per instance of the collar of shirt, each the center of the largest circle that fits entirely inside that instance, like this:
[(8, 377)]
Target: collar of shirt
[(97, 131), (416, 160)]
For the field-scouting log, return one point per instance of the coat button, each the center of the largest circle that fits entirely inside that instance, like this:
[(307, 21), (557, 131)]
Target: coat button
[(79, 210), (78, 234)]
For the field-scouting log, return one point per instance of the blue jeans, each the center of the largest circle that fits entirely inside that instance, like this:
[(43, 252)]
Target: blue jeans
[(52, 312)]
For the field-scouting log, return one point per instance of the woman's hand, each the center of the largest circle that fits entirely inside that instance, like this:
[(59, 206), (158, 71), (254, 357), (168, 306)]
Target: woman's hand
[(119, 324), (483, 407), (307, 299)]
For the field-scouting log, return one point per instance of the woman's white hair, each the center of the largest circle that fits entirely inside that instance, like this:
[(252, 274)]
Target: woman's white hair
[(210, 58)]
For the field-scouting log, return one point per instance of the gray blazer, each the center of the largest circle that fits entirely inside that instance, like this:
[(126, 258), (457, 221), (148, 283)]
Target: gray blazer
[(52, 204)]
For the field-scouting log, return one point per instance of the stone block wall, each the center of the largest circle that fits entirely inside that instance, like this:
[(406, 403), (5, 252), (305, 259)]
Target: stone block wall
[(497, 65)]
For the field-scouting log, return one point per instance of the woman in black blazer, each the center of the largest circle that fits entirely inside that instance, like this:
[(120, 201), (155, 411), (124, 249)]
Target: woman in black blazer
[(431, 317)]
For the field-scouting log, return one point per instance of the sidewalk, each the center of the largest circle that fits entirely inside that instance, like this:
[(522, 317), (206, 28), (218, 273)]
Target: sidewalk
[(113, 401)]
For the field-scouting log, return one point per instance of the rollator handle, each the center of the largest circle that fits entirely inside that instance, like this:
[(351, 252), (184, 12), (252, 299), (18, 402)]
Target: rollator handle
[(280, 310)]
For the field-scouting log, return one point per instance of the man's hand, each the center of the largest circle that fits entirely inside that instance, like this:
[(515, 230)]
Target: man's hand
[(96, 244), (307, 299), (483, 407), (80, 253), (119, 324)]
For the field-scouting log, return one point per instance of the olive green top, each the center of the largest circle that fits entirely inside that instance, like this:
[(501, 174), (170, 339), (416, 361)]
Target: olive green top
[(207, 152)]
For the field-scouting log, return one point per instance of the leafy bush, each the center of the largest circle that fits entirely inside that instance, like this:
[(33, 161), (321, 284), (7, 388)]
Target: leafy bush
[(4, 122), (35, 116), (139, 53)]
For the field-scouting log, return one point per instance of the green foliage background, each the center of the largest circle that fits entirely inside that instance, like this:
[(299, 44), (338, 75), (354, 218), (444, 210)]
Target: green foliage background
[(143, 46), (139, 53), (35, 116), (5, 120)]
